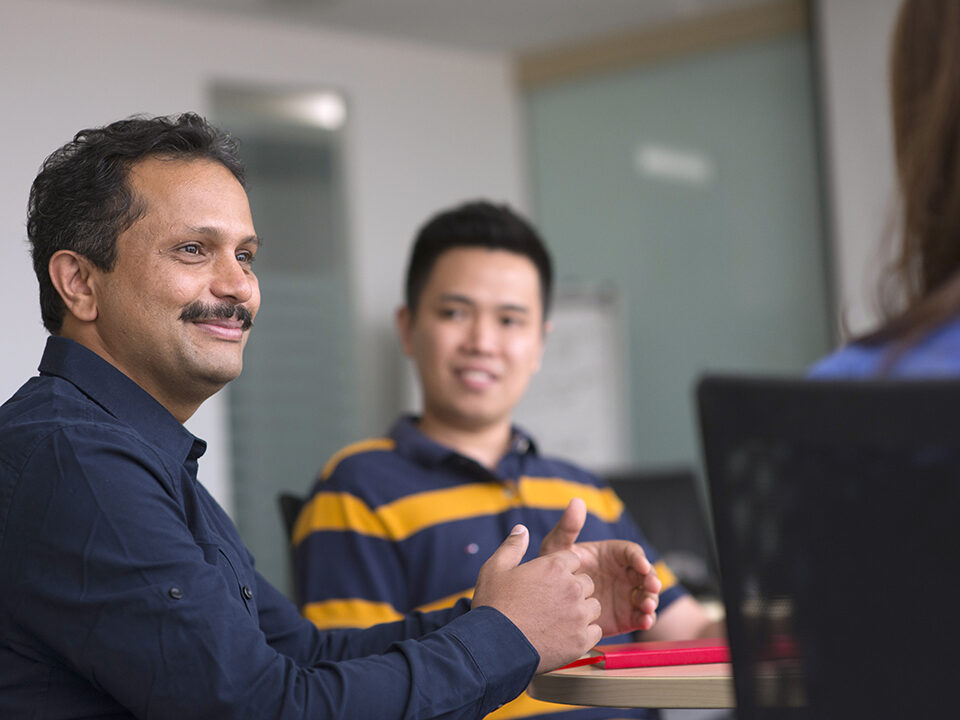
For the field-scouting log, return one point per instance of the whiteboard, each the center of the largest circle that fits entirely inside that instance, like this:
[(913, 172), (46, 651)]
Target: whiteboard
[(577, 406)]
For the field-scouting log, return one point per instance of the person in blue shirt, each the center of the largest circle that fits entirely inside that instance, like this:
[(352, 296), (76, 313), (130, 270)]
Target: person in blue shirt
[(421, 507), (127, 592), (920, 334)]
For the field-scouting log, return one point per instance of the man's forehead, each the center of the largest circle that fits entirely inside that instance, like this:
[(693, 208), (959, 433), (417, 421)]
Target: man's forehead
[(154, 170), (478, 275), (473, 260), (191, 182), (196, 197)]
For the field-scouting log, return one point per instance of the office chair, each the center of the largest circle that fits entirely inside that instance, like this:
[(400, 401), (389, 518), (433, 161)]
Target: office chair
[(290, 506), (836, 508), (666, 504)]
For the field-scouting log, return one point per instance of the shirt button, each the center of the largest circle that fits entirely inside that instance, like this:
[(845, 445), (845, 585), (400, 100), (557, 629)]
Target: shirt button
[(175, 592), (247, 592)]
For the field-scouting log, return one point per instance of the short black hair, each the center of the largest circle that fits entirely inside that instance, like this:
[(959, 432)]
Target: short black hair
[(81, 200), (478, 224)]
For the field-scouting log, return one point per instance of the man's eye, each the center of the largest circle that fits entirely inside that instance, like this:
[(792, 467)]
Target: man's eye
[(451, 313), (245, 257), (192, 249)]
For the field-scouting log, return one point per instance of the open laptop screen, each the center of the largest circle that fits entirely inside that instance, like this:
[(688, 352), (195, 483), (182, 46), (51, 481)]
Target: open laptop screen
[(836, 507)]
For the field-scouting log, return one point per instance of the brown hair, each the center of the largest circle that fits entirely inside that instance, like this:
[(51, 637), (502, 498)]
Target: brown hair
[(925, 97)]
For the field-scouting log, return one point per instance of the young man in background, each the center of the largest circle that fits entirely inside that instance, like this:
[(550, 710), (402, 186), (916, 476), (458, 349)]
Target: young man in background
[(401, 523)]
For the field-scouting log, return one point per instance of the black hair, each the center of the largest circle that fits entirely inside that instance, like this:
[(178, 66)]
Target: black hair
[(476, 224), (81, 199)]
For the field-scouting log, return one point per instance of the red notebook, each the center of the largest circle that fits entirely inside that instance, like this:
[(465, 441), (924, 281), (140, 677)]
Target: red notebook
[(650, 654)]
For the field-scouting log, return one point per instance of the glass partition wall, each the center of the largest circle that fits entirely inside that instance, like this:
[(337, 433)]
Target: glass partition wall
[(690, 185)]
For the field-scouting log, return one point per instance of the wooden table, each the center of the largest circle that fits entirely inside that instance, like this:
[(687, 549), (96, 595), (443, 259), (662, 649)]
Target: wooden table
[(676, 686)]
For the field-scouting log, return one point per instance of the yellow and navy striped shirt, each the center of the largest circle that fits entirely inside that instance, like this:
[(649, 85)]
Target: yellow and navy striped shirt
[(401, 523)]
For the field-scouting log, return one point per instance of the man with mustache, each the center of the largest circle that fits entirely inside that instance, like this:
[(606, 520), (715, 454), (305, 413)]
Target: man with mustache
[(199, 311), (126, 589)]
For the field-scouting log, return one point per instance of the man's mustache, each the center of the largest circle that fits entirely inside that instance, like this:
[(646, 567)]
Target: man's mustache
[(222, 311)]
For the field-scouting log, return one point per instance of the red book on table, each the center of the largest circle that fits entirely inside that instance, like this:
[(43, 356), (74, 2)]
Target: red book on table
[(651, 654)]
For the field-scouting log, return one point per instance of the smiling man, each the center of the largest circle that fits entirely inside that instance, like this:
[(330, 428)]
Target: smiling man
[(173, 311), (126, 589), (417, 511)]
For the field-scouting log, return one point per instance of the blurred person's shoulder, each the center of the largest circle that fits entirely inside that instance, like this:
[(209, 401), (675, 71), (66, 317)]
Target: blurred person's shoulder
[(937, 354)]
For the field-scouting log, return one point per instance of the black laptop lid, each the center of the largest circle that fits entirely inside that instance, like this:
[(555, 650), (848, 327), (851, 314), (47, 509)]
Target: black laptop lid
[(837, 516)]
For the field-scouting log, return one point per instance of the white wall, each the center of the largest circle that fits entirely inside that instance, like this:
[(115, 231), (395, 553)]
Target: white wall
[(428, 127), (855, 44)]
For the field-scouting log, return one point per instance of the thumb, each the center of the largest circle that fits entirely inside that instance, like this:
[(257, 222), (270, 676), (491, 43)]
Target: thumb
[(511, 550), (567, 529)]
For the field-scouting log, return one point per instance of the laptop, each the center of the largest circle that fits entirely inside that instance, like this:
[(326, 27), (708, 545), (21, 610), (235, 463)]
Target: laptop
[(836, 508)]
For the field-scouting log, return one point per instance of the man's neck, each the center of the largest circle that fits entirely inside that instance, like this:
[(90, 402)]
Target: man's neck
[(485, 445), (182, 408)]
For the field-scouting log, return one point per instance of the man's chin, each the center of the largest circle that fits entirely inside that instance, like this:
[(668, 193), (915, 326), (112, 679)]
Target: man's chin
[(217, 375), (477, 421)]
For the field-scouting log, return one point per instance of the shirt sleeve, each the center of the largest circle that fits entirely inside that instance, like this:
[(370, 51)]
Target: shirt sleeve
[(103, 575), (338, 522)]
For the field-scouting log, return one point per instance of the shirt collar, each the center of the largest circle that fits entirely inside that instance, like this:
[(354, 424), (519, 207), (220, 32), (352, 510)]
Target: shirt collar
[(412, 443), (120, 396)]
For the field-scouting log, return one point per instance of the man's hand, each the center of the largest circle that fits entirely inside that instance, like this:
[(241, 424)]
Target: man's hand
[(547, 599), (624, 581)]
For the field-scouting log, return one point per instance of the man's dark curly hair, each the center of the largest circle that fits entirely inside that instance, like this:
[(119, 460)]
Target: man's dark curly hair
[(81, 199)]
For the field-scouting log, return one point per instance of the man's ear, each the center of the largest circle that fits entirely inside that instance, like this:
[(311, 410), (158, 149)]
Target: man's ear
[(71, 276), (403, 320)]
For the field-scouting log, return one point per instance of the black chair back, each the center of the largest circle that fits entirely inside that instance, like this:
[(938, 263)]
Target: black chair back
[(290, 506), (668, 506)]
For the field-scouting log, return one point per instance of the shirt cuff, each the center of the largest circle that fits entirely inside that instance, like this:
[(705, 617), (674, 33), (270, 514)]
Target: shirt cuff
[(502, 653)]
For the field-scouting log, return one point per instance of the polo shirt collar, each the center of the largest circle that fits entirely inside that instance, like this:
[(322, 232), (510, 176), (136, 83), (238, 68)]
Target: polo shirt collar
[(120, 396), (412, 443)]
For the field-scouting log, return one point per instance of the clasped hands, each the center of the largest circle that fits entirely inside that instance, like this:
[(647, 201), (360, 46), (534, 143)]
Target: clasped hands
[(573, 594)]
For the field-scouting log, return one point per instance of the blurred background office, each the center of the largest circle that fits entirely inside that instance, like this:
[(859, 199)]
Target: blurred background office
[(712, 176)]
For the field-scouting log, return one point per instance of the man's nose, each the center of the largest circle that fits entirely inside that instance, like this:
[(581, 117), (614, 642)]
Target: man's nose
[(233, 280), (482, 335)]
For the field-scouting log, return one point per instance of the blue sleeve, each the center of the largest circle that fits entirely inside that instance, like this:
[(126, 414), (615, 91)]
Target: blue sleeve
[(104, 579), (851, 361)]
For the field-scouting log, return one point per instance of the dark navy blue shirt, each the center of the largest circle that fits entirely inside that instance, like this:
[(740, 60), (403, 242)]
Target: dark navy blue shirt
[(125, 590)]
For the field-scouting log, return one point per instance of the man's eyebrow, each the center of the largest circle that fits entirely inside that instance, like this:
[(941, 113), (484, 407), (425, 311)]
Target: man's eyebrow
[(513, 307), (208, 230), (457, 298), (465, 300)]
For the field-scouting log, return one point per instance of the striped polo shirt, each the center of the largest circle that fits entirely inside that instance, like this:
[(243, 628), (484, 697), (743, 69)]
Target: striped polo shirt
[(402, 523)]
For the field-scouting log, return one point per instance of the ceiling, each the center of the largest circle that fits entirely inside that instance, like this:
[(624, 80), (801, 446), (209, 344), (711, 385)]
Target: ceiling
[(514, 26)]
